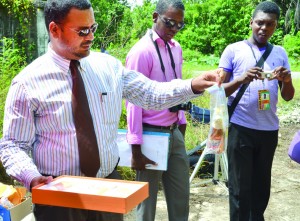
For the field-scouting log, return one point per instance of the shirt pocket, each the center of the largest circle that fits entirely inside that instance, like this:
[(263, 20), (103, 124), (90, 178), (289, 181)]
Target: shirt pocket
[(108, 108)]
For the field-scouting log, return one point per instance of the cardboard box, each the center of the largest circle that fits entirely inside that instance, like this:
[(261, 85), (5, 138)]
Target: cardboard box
[(18, 212), (110, 195)]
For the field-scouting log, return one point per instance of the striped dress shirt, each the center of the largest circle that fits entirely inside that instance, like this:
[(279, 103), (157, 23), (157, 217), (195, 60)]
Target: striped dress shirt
[(39, 135)]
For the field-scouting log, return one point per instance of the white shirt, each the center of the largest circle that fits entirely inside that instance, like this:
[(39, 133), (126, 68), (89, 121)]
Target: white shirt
[(38, 114)]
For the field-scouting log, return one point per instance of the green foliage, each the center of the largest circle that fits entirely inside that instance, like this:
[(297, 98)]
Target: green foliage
[(109, 15), (198, 59), (196, 132), (292, 45), (123, 119), (288, 111), (24, 11), (133, 26), (127, 173), (211, 25), (12, 60), (118, 24), (290, 10), (20, 9)]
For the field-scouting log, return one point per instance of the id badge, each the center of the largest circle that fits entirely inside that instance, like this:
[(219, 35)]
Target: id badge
[(263, 100)]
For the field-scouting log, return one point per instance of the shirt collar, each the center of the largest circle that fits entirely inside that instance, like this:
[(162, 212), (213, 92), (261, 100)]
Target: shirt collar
[(159, 40), (61, 62)]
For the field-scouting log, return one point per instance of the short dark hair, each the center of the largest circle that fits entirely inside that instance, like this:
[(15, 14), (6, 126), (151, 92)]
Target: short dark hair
[(163, 5), (267, 7), (57, 10)]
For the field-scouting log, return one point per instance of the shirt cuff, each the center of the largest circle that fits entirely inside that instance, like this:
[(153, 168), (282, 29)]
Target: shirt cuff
[(134, 139), (28, 178)]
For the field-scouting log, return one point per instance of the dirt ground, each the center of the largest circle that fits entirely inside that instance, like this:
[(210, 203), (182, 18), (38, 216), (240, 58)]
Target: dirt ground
[(210, 202)]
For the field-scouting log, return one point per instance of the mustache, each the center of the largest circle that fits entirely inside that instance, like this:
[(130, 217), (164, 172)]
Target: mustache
[(86, 43)]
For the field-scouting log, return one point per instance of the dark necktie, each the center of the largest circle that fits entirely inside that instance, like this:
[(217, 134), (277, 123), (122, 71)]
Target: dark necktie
[(86, 137)]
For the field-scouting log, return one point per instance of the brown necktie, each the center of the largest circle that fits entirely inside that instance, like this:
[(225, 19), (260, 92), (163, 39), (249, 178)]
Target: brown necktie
[(86, 137)]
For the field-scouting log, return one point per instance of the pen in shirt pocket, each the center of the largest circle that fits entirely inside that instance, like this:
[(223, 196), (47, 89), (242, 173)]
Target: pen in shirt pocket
[(101, 96)]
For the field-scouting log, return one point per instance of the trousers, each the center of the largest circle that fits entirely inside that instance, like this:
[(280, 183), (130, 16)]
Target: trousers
[(175, 182), (250, 157)]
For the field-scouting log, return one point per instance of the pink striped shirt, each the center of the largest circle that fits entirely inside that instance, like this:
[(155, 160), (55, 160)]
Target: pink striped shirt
[(144, 58)]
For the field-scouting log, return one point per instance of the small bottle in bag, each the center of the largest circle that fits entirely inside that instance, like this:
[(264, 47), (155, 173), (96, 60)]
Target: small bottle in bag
[(217, 132), (217, 137)]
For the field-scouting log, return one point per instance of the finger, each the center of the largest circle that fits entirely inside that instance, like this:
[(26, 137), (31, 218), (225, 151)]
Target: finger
[(49, 179), (287, 78), (212, 76), (222, 75), (149, 165), (148, 161), (252, 76)]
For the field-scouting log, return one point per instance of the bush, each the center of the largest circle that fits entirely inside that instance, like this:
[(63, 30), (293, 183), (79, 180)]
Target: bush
[(292, 46), (12, 60)]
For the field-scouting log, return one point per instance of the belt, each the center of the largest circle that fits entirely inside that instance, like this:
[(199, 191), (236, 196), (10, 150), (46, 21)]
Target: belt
[(171, 127), (104, 177)]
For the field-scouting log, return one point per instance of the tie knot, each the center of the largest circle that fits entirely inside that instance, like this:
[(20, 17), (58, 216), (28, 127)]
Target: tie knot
[(74, 63)]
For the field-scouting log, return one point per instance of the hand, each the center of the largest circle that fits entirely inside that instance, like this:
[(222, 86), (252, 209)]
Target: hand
[(40, 180), (250, 75), (139, 160), (208, 79), (222, 75), (182, 128), (282, 74)]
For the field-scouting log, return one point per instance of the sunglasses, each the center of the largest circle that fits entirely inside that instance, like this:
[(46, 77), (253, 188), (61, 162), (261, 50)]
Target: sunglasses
[(171, 23), (85, 31)]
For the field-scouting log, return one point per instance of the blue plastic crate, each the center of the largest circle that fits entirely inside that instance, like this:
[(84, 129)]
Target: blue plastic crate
[(201, 115), (4, 214)]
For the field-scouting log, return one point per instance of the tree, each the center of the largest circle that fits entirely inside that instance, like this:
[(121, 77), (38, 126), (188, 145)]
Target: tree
[(291, 10), (213, 24), (109, 15)]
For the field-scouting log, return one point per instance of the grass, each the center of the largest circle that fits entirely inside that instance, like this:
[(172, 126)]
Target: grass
[(288, 111), (197, 132)]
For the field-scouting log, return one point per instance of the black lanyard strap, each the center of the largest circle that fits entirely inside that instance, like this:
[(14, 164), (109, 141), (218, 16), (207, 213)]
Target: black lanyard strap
[(171, 57), (243, 88), (159, 55)]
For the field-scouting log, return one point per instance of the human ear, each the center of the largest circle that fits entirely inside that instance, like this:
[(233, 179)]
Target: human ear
[(154, 17), (53, 29)]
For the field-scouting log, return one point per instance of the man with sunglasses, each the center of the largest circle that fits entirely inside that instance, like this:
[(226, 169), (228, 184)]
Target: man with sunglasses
[(159, 57), (41, 132)]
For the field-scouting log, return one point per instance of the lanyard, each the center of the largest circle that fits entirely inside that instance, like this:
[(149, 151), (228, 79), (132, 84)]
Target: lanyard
[(263, 80), (254, 54), (159, 55)]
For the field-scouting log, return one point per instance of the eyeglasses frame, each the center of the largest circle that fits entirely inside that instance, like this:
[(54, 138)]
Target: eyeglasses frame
[(168, 23), (80, 32)]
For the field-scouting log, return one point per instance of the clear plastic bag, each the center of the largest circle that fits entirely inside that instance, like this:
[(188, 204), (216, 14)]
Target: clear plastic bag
[(218, 132)]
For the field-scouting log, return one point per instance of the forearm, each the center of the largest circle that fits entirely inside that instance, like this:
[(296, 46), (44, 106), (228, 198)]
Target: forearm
[(232, 86), (287, 90), (152, 95), (17, 163), (136, 149), (137, 157)]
